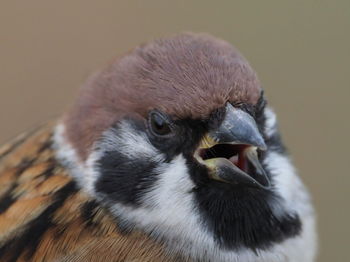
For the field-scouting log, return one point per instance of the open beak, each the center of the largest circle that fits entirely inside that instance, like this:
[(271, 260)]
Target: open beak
[(230, 152)]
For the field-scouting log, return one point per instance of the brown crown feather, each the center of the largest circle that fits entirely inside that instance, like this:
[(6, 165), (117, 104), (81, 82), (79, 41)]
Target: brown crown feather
[(187, 75)]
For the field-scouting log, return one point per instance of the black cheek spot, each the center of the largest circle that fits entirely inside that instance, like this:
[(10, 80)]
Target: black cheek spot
[(124, 179)]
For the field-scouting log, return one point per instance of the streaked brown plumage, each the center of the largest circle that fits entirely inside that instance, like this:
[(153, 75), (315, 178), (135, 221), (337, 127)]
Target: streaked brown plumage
[(45, 217)]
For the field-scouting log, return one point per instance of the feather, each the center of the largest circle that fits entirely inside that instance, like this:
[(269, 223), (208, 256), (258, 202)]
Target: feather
[(45, 217)]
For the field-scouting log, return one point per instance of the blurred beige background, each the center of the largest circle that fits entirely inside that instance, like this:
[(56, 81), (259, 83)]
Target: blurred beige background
[(300, 49)]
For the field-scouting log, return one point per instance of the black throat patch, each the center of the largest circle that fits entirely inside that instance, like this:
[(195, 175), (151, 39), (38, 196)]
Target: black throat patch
[(244, 217)]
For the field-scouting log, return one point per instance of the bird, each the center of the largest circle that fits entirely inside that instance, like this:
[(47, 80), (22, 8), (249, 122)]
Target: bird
[(169, 153)]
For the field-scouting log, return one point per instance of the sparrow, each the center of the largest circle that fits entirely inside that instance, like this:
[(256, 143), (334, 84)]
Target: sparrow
[(169, 153)]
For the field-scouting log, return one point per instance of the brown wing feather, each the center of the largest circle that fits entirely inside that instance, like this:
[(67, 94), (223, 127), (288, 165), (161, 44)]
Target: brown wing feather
[(45, 217)]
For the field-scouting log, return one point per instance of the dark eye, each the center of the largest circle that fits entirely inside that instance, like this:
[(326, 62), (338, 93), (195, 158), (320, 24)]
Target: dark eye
[(159, 124)]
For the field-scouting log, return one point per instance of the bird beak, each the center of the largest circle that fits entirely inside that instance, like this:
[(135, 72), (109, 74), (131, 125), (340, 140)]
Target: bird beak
[(230, 152)]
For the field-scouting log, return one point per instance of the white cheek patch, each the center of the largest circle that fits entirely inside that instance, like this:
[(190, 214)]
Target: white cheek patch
[(296, 199), (128, 142), (286, 181), (168, 202), (271, 122), (168, 211), (83, 172)]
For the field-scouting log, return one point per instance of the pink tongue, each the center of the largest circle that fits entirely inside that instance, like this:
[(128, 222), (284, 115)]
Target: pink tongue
[(234, 160), (239, 161)]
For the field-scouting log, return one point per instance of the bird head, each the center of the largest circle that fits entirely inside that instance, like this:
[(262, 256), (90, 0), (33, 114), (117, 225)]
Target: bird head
[(176, 140)]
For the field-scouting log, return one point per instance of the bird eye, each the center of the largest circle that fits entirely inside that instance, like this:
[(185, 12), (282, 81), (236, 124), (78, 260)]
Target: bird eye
[(159, 124)]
